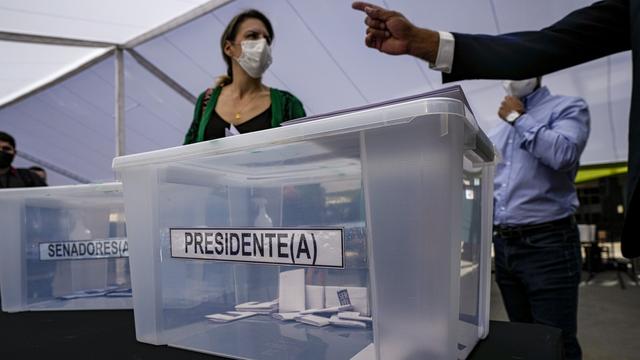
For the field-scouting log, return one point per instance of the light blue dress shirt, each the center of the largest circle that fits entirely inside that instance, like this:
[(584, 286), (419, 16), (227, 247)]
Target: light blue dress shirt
[(534, 181)]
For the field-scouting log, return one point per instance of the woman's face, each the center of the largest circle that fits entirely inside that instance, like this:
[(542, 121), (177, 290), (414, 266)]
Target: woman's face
[(250, 29)]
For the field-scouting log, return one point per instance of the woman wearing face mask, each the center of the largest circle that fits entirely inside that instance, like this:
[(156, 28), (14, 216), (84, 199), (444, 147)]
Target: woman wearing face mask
[(240, 102)]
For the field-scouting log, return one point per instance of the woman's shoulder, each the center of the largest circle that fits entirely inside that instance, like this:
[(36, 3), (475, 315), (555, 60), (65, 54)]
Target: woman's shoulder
[(292, 107)]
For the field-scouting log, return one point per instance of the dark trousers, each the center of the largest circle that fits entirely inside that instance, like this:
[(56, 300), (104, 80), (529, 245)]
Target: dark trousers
[(538, 273)]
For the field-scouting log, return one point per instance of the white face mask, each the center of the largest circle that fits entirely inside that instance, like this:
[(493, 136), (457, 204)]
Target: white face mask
[(255, 57), (520, 88)]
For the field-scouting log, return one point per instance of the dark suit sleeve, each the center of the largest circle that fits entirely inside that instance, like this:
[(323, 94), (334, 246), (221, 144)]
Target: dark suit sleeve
[(39, 181), (30, 178), (585, 34)]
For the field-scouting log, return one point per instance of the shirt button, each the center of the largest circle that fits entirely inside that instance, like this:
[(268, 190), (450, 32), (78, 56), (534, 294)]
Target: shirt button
[(508, 163), (510, 141), (502, 208)]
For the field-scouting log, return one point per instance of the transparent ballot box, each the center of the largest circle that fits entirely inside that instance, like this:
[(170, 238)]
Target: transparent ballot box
[(64, 248), (362, 234)]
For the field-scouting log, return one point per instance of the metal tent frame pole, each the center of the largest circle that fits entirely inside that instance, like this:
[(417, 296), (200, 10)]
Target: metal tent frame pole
[(55, 168), (119, 103), (52, 40), (60, 78), (162, 76)]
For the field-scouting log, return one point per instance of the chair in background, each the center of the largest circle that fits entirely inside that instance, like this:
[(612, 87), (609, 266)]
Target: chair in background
[(592, 251), (615, 262)]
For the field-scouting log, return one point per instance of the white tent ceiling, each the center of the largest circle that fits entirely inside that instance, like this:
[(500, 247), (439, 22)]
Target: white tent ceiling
[(114, 21), (318, 55)]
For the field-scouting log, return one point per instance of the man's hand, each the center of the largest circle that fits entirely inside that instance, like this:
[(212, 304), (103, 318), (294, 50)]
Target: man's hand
[(390, 32), (509, 104)]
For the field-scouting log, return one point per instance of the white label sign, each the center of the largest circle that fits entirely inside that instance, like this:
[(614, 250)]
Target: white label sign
[(86, 249), (302, 247)]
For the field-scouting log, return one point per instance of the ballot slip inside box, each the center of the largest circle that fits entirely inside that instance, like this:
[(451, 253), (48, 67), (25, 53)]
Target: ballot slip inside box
[(380, 213)]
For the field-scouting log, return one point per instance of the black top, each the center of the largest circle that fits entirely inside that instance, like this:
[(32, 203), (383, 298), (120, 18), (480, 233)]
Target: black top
[(217, 125)]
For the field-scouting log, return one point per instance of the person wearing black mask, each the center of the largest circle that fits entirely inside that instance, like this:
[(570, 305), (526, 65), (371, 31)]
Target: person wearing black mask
[(11, 177)]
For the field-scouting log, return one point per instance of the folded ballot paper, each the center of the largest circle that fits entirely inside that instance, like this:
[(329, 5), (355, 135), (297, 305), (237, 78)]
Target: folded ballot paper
[(286, 316), (335, 320), (124, 292), (259, 307), (354, 315), (231, 131), (292, 291), (313, 320), (245, 310), (333, 309), (348, 306), (230, 316), (110, 291)]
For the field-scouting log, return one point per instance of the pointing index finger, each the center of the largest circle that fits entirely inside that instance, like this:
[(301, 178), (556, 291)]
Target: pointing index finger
[(373, 11)]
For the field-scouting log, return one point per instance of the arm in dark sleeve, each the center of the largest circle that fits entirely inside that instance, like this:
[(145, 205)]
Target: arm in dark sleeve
[(585, 34), (30, 178), (37, 180)]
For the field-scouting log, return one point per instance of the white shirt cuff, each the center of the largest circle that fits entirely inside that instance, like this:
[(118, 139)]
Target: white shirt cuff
[(444, 59)]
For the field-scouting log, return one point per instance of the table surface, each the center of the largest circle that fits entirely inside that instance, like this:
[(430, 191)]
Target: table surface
[(111, 335)]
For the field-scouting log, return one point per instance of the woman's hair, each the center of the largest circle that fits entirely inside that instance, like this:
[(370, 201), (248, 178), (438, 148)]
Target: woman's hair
[(230, 34)]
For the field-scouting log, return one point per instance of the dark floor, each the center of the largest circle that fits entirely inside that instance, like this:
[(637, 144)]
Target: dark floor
[(609, 328), (608, 316)]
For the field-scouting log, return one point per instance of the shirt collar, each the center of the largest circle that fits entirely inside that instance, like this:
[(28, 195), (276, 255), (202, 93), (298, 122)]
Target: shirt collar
[(536, 97)]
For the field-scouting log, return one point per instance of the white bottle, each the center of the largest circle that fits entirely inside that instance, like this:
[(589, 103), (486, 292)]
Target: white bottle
[(262, 219), (80, 231)]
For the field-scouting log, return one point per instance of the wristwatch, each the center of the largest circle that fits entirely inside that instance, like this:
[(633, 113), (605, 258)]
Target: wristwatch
[(512, 117)]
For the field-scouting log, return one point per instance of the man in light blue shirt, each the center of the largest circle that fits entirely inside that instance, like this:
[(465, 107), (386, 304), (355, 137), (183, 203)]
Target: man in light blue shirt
[(540, 143), (536, 241)]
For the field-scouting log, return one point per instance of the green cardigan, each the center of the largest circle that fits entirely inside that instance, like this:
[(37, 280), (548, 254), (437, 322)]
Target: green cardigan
[(284, 106)]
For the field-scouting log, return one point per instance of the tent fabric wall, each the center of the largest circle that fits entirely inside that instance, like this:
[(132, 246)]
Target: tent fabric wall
[(319, 56), (70, 124)]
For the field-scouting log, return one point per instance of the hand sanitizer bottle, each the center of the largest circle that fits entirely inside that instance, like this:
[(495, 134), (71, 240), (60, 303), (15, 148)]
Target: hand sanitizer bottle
[(262, 219)]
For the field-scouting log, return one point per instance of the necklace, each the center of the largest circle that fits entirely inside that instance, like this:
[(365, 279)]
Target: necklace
[(247, 103)]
